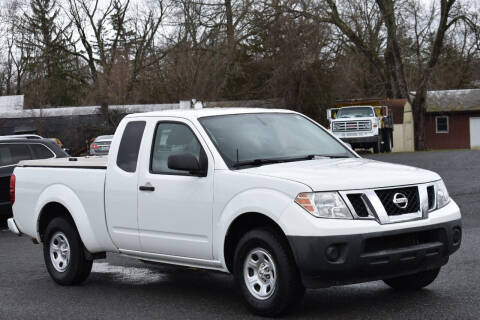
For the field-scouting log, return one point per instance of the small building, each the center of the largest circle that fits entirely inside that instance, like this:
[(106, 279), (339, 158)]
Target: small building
[(11, 103), (452, 119), (402, 119)]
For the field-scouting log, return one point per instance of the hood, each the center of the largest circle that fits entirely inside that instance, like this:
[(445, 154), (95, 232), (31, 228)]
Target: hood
[(345, 174), (353, 119)]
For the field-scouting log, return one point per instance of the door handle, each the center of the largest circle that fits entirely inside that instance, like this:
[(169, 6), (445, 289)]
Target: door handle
[(147, 188)]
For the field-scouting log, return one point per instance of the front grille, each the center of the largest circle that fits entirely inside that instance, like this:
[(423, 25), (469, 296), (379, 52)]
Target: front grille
[(347, 126), (387, 198), (404, 240), (358, 204)]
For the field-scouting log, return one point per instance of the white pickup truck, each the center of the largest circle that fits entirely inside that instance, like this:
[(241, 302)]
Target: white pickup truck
[(268, 195)]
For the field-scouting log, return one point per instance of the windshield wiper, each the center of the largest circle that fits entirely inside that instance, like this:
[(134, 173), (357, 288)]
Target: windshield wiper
[(261, 162), (313, 156), (255, 162)]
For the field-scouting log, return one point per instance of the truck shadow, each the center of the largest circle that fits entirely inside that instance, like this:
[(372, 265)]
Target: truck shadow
[(199, 291)]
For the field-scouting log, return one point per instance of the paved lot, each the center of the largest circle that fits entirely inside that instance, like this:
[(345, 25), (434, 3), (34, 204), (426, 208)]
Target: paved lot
[(120, 288)]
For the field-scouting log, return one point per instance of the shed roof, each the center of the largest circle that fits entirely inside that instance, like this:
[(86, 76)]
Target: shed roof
[(453, 100)]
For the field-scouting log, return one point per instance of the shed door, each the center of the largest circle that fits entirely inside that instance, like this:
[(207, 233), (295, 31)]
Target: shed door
[(475, 133)]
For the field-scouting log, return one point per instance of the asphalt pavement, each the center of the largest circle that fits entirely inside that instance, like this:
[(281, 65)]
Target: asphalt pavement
[(122, 288)]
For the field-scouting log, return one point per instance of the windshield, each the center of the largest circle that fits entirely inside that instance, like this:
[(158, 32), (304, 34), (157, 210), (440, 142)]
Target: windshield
[(355, 112), (256, 139)]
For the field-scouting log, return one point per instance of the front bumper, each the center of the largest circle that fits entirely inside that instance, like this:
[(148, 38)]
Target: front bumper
[(359, 140), (374, 256)]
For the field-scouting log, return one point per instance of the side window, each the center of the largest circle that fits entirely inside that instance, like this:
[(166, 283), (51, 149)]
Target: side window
[(130, 145), (441, 124), (41, 152), (5, 155), (11, 154), (171, 138)]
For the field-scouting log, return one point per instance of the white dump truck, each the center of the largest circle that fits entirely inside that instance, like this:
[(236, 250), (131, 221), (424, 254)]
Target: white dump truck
[(363, 126)]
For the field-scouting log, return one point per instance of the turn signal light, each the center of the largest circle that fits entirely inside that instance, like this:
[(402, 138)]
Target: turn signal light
[(305, 202)]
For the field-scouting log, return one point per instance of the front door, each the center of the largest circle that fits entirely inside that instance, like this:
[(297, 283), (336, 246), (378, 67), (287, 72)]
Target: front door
[(175, 207)]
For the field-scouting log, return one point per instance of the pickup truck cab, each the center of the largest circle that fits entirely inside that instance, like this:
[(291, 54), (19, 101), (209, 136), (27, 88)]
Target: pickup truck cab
[(268, 195)]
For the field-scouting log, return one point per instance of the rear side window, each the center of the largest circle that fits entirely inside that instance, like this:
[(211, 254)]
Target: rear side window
[(11, 154), (130, 145), (41, 152)]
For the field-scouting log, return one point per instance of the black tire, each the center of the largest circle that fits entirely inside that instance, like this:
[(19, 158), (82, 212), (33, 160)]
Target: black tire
[(388, 141), (288, 289), (377, 146), (413, 282), (78, 268)]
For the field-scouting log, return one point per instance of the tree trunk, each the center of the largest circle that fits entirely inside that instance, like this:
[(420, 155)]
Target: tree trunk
[(418, 110)]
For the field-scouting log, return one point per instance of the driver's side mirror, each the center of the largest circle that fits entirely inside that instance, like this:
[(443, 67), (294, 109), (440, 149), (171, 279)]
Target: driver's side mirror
[(186, 161)]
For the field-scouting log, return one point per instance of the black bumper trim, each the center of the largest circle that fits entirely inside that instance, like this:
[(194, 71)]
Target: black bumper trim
[(368, 257)]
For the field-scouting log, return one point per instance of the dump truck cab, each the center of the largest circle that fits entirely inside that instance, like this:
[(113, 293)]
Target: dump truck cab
[(363, 126)]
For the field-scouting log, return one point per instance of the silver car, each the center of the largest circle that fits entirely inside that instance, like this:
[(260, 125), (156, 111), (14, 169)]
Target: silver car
[(101, 145)]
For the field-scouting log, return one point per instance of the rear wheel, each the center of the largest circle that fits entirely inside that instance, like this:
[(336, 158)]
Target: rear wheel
[(388, 141), (413, 282), (64, 253), (266, 273)]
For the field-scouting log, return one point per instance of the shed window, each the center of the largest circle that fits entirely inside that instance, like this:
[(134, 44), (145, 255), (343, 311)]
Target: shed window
[(441, 123)]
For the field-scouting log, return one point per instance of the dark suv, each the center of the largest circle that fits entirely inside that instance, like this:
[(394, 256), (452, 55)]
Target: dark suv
[(15, 150)]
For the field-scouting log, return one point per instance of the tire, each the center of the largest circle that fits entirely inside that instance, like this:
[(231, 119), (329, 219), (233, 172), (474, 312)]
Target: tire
[(274, 267), (388, 142), (64, 254), (413, 282), (377, 146)]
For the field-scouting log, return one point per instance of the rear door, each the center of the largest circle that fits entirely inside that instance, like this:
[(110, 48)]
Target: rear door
[(121, 187), (175, 212)]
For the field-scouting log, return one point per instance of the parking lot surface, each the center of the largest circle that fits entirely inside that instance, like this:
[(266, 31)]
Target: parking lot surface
[(121, 288)]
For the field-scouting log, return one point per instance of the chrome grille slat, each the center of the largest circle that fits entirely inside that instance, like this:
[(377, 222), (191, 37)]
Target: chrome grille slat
[(350, 126)]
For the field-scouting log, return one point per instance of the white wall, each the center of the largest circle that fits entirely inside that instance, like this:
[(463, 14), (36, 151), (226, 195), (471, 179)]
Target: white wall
[(403, 133)]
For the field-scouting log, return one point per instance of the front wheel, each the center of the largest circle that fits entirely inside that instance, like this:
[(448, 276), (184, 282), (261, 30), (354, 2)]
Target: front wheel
[(64, 253), (266, 273), (413, 282)]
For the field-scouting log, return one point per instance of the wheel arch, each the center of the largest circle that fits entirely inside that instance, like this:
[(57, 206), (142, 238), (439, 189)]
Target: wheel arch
[(59, 200), (242, 224)]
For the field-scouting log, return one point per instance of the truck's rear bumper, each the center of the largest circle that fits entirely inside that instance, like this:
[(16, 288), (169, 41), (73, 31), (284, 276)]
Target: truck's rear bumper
[(337, 260)]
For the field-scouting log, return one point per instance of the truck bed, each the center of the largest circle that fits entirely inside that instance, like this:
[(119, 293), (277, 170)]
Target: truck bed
[(78, 185), (72, 162)]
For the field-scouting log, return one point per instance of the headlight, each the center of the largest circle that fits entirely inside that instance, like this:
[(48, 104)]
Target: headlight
[(441, 194), (324, 205)]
